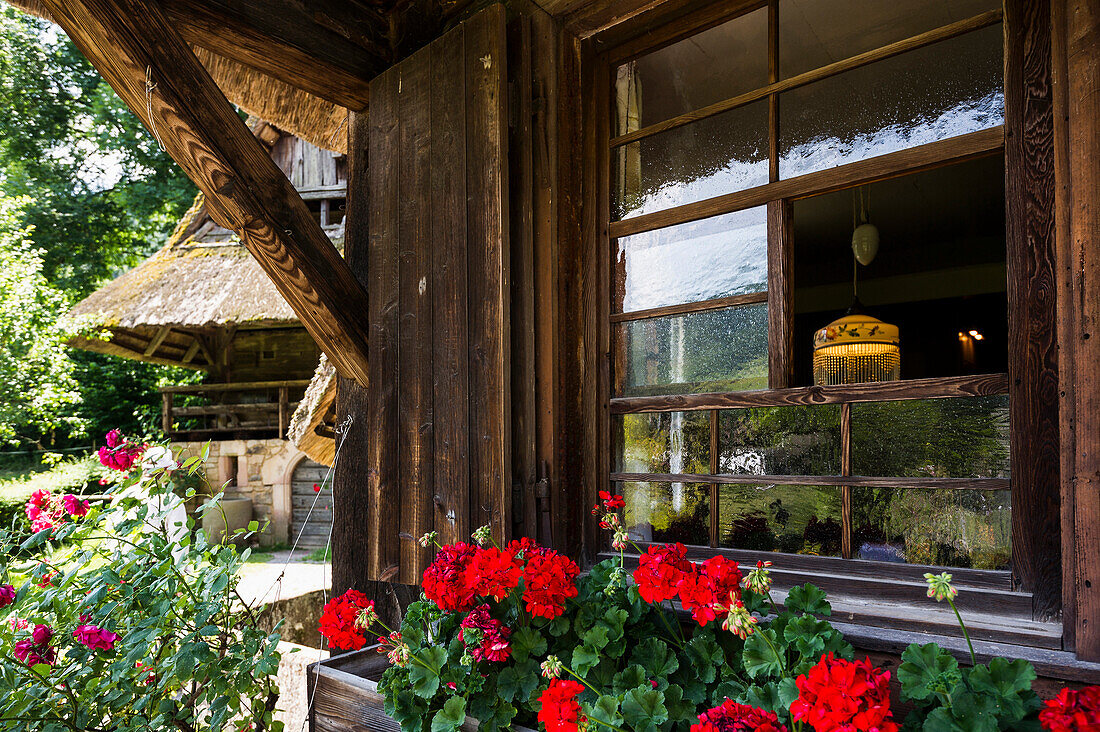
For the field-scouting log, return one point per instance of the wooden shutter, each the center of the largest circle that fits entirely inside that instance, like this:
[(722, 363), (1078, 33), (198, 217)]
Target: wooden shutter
[(437, 280)]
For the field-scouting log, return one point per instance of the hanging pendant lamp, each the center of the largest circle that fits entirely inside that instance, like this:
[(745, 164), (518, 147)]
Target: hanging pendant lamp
[(857, 347)]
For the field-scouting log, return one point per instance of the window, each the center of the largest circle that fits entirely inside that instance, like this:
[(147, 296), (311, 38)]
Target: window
[(741, 158)]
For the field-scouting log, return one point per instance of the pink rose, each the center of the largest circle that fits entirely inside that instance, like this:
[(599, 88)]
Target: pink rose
[(27, 652), (42, 634), (95, 638), (7, 595), (113, 438), (74, 506)]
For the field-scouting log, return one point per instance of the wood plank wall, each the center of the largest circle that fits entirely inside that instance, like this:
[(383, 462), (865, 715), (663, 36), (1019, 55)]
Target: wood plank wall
[(432, 437)]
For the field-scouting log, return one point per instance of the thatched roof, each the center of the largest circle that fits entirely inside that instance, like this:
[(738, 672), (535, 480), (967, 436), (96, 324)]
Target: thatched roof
[(311, 427)]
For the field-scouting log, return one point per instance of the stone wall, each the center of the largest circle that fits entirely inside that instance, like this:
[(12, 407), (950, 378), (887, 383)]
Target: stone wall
[(256, 469)]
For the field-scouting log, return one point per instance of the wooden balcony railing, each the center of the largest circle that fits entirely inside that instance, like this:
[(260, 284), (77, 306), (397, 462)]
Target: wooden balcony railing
[(257, 409)]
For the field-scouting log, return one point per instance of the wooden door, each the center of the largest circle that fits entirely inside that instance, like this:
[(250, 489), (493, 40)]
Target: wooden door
[(437, 404)]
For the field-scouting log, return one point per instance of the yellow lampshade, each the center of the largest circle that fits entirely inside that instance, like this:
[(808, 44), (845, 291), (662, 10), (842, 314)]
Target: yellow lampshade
[(856, 348)]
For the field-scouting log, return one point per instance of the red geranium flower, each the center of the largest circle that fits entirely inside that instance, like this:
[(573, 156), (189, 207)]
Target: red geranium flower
[(345, 620), (1073, 711), (733, 717), (560, 711), (659, 572), (491, 640), (548, 581), (710, 588), (494, 573), (445, 580), (839, 696)]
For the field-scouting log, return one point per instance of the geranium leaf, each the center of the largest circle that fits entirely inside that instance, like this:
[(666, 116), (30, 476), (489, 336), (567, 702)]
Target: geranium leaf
[(451, 716), (628, 678), (596, 637), (653, 655), (424, 675), (926, 670), (584, 659), (644, 709), (764, 697), (1005, 681), (807, 599), (758, 657), (527, 642), (705, 656), (605, 710), (679, 708), (507, 683)]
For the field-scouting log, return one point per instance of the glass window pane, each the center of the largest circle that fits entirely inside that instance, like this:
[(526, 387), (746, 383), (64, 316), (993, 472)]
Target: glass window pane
[(718, 63), (699, 260), (784, 518), (667, 512), (665, 442), (780, 441), (964, 437), (815, 33), (712, 350), (952, 528), (936, 92), (719, 154)]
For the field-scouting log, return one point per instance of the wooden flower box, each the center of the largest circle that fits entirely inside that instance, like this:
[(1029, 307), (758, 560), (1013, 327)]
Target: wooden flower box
[(345, 697)]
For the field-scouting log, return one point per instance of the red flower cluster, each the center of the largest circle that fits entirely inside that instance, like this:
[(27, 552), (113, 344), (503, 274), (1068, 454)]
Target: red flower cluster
[(560, 711), (7, 595), (548, 581), (345, 619), (463, 572), (118, 453), (733, 717), (95, 638), (659, 572), (710, 588), (44, 511), (1073, 711), (843, 696), (74, 506), (706, 589), (37, 649), (608, 502), (490, 642)]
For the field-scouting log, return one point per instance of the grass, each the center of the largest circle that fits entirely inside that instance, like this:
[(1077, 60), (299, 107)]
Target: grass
[(68, 476)]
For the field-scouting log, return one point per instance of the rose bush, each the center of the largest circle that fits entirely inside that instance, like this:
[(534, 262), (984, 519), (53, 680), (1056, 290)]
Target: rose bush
[(124, 618), (517, 636)]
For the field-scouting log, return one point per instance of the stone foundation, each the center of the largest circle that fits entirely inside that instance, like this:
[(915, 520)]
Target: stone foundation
[(256, 469)]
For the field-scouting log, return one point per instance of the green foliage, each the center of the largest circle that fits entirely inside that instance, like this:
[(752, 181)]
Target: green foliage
[(188, 657)]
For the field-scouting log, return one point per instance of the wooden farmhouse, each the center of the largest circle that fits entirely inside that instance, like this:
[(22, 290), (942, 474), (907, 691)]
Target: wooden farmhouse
[(203, 302), (809, 280)]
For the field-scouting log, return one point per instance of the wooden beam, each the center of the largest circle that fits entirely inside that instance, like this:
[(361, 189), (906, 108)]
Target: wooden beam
[(135, 48), (283, 39), (155, 342), (1032, 348), (191, 352), (1077, 97)]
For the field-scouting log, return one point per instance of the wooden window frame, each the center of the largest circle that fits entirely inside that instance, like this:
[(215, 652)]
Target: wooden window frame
[(1030, 396)]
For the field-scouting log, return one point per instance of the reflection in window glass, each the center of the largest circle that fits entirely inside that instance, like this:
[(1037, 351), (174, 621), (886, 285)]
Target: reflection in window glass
[(722, 62), (952, 528), (663, 442), (963, 437), (783, 518), (940, 91), (780, 441), (667, 512), (696, 261), (815, 33), (712, 350), (719, 154)]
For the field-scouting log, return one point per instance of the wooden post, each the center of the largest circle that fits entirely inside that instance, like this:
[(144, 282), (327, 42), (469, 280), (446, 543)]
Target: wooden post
[(1077, 131), (166, 412), (284, 403), (136, 49)]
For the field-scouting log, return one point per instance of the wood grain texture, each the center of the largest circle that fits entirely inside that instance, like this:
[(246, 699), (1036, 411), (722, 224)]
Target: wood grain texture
[(854, 62), (1032, 348), (932, 388), (780, 294), (910, 160), (384, 466), (690, 307), (415, 250), (846, 490), (451, 391), (487, 267), (282, 39), (1082, 48), (130, 42)]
